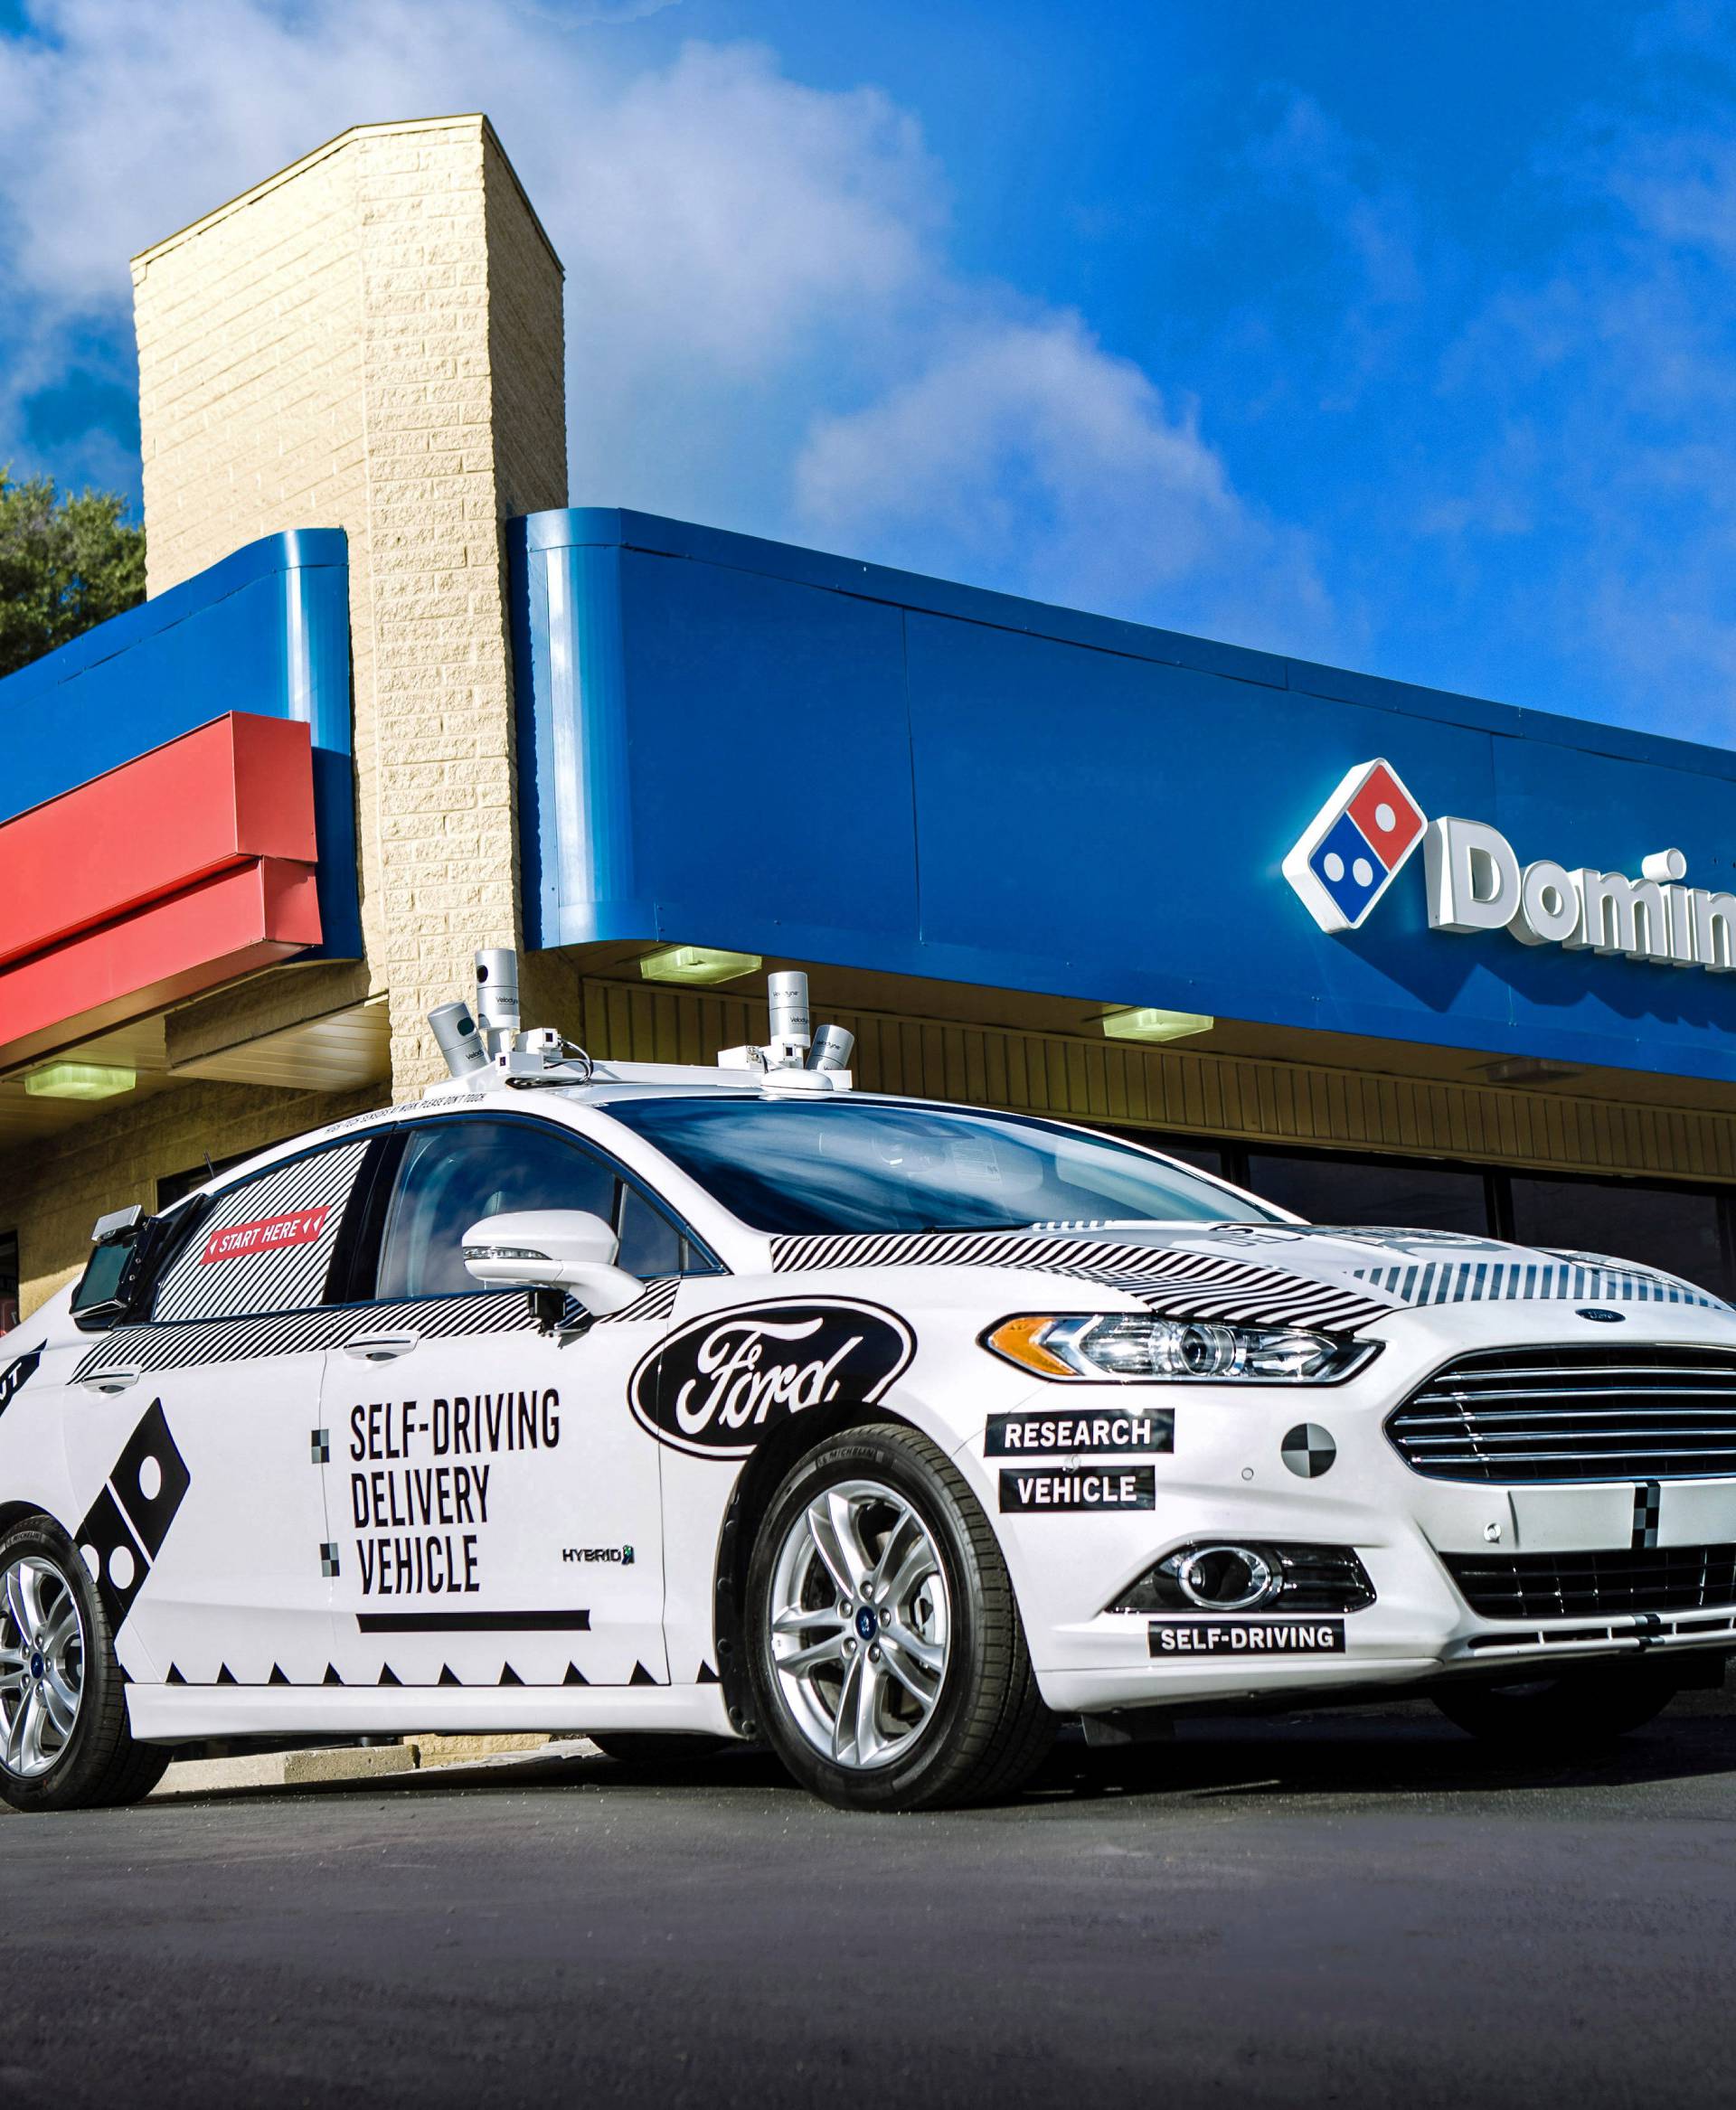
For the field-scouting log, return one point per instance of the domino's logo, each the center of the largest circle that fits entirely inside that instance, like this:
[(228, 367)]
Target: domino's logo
[(1356, 846)]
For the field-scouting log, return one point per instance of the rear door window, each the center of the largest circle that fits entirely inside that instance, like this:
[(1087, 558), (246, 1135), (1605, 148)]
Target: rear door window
[(266, 1245)]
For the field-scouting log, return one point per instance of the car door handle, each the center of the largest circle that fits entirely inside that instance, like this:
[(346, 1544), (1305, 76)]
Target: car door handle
[(116, 1380), (381, 1347)]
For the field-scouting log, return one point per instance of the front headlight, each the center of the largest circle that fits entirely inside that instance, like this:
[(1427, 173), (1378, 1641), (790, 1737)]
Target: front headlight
[(1132, 1349)]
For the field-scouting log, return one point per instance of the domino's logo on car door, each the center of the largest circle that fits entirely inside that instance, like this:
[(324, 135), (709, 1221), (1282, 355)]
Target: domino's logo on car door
[(1356, 846)]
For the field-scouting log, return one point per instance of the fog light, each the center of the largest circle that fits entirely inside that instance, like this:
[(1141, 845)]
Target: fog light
[(1225, 1579)]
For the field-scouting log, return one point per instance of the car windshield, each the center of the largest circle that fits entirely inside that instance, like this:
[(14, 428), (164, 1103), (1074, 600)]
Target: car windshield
[(853, 1165)]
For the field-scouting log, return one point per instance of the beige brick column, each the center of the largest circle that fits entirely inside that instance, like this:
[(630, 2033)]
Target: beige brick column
[(373, 340)]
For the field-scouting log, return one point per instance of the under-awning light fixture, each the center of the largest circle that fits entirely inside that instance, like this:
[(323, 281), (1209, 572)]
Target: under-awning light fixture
[(1142, 1022), (79, 1080), (693, 963)]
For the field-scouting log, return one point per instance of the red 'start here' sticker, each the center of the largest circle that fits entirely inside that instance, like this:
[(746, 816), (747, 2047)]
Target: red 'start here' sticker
[(266, 1236)]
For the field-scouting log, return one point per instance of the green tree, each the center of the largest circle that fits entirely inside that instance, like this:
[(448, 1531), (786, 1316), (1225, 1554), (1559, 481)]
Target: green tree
[(66, 564)]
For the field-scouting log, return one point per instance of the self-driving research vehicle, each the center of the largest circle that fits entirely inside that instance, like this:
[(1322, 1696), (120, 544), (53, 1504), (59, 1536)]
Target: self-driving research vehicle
[(650, 1401)]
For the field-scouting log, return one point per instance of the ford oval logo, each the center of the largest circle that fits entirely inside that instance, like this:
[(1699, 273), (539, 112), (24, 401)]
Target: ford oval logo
[(719, 1384), (1604, 1318)]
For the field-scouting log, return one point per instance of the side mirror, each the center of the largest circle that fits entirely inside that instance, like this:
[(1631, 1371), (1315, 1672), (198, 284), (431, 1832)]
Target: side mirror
[(121, 1245), (552, 1248)]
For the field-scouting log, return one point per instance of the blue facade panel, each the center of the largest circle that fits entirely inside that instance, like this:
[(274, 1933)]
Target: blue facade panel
[(731, 742), (266, 631)]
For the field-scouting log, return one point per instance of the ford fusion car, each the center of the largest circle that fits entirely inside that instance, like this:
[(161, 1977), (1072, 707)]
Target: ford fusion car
[(670, 1403)]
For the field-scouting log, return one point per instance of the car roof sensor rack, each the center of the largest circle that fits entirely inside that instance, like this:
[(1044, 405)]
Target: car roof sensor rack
[(485, 1048)]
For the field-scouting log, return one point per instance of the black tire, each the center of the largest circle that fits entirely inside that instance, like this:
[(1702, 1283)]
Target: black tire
[(660, 1747), (988, 1730), (100, 1766), (1557, 1717)]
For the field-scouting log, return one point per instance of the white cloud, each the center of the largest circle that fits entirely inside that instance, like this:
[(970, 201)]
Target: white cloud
[(1054, 468), (764, 328)]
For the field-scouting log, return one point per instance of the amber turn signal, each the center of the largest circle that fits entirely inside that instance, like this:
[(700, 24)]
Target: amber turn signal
[(1017, 1340)]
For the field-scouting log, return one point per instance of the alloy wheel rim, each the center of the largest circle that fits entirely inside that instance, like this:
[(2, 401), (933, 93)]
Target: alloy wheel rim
[(41, 1665), (861, 1624)]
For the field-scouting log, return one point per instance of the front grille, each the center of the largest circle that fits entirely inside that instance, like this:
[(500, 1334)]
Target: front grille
[(1561, 1586), (1573, 1413)]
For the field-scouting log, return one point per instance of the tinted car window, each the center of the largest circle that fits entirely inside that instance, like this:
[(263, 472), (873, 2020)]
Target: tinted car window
[(264, 1245), (849, 1166), (456, 1172), (650, 1243)]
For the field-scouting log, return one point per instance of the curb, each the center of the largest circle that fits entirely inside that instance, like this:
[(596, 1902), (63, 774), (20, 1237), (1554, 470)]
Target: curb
[(199, 1776)]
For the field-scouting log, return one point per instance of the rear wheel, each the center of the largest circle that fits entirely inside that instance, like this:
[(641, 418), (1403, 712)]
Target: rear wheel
[(1577, 1711), (889, 1660), (64, 1740)]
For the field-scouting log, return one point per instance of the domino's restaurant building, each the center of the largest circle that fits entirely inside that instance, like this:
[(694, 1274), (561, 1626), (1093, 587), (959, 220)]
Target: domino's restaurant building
[(1385, 955)]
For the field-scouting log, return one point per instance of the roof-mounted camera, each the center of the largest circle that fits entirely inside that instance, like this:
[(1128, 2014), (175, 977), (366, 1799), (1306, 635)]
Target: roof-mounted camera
[(486, 1049)]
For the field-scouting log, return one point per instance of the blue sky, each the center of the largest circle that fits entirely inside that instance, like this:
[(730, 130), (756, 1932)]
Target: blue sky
[(1401, 337)]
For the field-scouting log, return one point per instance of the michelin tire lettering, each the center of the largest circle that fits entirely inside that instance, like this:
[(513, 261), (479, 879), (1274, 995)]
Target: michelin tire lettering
[(719, 1386)]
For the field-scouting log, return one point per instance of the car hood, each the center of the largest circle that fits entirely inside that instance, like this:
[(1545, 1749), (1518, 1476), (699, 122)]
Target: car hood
[(1432, 1267), (1267, 1274)]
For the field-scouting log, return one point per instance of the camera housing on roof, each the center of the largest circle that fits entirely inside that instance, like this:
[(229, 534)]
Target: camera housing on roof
[(484, 1048)]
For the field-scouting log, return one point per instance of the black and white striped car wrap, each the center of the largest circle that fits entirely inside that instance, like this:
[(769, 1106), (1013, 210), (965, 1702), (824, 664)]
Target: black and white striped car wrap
[(191, 1345), (1175, 1284), (1455, 1282), (290, 1277)]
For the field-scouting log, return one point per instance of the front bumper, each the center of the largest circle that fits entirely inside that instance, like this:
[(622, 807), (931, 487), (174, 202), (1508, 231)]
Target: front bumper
[(1232, 1477)]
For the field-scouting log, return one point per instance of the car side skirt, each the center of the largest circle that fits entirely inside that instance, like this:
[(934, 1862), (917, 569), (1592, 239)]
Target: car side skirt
[(167, 1714)]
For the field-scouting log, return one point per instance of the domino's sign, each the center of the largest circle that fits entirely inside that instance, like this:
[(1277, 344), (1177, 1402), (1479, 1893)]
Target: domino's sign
[(1356, 846), (1360, 841)]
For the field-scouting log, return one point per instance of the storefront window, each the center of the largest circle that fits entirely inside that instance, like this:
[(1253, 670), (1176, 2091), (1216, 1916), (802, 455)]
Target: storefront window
[(1372, 1190), (1208, 1157), (1674, 1228), (8, 1280), (172, 1186)]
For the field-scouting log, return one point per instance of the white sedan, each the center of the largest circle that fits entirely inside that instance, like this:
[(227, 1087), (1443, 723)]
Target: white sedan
[(678, 1404)]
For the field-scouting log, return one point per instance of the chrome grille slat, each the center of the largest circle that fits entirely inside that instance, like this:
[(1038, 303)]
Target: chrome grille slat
[(1457, 1418), (1569, 1412), (1556, 1585), (1609, 1392), (1601, 1444), (1603, 1369), (1619, 1459)]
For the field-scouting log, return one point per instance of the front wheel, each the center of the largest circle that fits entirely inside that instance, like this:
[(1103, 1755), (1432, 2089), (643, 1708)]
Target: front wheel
[(65, 1739), (889, 1662), (1575, 1712)]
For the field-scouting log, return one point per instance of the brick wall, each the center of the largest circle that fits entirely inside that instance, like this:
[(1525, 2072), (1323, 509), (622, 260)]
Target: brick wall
[(373, 340), (54, 1191)]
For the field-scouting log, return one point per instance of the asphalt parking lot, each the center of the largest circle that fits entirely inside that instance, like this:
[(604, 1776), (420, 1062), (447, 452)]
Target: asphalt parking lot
[(1335, 1910)]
